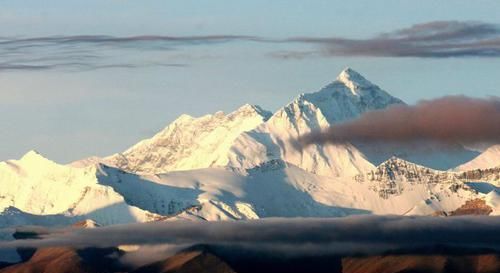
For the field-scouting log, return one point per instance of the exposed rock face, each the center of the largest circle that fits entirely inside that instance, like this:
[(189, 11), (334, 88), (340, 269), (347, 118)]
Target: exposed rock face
[(488, 174), (473, 207)]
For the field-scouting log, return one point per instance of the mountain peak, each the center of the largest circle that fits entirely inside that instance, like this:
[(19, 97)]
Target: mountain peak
[(349, 71), (248, 107), (251, 108), (36, 160), (32, 155), (183, 118), (348, 97), (402, 163), (353, 80)]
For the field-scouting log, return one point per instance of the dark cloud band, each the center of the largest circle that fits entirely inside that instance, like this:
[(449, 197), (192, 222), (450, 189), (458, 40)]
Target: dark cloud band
[(440, 39), (359, 234)]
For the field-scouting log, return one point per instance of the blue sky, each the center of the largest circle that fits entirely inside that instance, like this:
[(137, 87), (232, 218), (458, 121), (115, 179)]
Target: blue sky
[(75, 98)]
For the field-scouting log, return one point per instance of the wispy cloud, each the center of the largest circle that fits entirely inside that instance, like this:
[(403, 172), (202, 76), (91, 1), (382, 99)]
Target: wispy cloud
[(439, 39), (91, 52)]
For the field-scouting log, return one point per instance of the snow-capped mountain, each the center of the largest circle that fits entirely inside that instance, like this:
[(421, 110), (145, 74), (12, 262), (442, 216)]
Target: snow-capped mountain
[(251, 136), (245, 165), (349, 96), (346, 98)]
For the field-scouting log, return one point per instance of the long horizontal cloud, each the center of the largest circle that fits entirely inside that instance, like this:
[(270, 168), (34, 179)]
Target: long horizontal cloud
[(438, 39), (449, 119), (349, 235), (105, 39), (88, 52)]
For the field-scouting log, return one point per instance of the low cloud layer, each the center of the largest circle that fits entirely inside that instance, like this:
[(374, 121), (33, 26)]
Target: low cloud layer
[(439, 39), (452, 119), (349, 235)]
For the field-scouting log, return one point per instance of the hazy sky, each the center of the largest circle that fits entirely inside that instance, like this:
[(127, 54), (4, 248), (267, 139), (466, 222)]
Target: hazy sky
[(82, 78)]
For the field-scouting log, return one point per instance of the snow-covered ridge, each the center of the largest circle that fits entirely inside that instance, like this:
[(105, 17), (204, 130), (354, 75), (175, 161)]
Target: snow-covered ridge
[(190, 143), (490, 158), (38, 186), (62, 195)]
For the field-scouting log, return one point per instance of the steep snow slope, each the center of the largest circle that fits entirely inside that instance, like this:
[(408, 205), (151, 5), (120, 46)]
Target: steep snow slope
[(190, 143), (490, 158), (38, 186), (274, 140)]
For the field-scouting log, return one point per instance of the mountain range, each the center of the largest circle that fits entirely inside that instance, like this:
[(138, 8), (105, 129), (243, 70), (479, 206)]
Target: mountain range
[(245, 165)]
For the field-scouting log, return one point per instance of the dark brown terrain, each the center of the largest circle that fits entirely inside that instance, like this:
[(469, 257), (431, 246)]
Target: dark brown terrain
[(421, 263), (65, 260), (190, 261)]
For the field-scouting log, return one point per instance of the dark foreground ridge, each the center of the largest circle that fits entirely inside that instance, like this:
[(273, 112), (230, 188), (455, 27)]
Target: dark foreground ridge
[(217, 259)]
